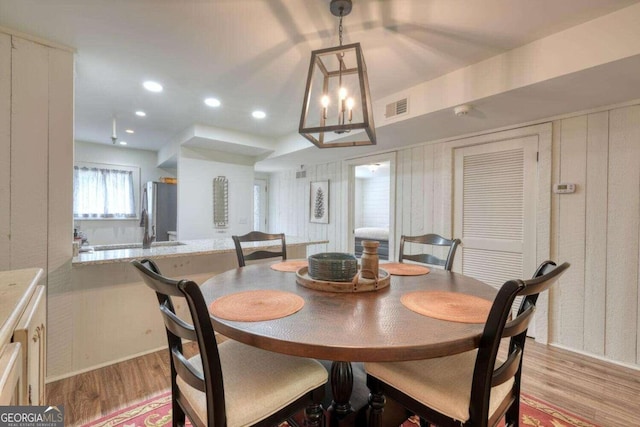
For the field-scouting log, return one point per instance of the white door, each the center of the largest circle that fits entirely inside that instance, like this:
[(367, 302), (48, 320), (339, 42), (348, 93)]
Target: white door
[(495, 190), (260, 205)]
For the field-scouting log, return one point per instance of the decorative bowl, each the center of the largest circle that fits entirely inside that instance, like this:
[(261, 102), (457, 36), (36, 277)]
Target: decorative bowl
[(333, 266)]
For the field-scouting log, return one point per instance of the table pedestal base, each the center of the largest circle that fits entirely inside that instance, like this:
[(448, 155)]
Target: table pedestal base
[(341, 388)]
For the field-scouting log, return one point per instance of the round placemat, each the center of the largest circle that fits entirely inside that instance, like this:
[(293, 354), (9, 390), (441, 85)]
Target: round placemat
[(451, 306), (290, 266), (402, 269), (255, 306)]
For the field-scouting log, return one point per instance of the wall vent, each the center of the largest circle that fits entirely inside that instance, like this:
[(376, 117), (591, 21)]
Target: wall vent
[(397, 108), (301, 174)]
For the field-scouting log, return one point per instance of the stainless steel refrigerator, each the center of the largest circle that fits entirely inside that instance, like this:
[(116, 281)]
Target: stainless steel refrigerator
[(162, 207)]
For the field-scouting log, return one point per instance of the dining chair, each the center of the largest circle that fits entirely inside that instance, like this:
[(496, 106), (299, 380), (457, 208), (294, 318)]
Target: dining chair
[(258, 236), (433, 240), (229, 383), (473, 388)]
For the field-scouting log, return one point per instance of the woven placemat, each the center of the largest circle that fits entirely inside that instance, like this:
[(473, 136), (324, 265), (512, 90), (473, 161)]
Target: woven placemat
[(451, 306), (255, 306), (402, 269), (290, 266)]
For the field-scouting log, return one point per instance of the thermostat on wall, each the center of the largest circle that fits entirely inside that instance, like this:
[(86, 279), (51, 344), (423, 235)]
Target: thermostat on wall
[(564, 188)]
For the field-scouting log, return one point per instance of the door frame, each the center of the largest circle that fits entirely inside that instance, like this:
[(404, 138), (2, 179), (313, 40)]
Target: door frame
[(348, 194)]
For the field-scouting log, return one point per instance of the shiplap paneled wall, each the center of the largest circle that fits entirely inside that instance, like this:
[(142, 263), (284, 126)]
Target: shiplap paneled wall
[(289, 206), (595, 307)]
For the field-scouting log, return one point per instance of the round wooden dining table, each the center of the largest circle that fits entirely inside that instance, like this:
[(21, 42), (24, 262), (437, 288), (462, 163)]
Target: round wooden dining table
[(344, 327)]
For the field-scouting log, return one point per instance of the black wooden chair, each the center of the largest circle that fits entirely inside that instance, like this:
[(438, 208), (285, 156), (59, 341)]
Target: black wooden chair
[(258, 236), (434, 240), (230, 384), (471, 388)]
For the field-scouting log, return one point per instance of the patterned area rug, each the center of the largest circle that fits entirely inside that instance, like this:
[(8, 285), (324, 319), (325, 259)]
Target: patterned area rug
[(156, 412)]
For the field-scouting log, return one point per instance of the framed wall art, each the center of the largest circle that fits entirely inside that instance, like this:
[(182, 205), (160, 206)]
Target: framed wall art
[(319, 202)]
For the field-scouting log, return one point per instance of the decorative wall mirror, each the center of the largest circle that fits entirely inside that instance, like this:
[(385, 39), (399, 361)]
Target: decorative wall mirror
[(220, 202)]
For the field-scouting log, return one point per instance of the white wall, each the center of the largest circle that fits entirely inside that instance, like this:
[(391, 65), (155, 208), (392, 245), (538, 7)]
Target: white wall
[(196, 171), (594, 309), (289, 206), (109, 231), (375, 201)]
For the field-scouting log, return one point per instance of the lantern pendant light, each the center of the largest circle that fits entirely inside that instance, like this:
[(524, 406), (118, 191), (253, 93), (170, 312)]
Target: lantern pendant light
[(337, 99)]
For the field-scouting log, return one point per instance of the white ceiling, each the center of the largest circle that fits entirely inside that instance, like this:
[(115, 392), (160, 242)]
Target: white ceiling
[(253, 54)]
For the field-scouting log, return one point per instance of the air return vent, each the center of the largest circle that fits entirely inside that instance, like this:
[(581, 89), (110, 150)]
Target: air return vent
[(397, 108)]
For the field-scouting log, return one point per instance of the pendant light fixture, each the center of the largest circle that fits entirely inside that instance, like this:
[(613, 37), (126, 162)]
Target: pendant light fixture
[(337, 98)]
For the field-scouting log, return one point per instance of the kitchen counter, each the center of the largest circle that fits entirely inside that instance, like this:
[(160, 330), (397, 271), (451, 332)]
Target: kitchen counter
[(106, 313), (106, 254)]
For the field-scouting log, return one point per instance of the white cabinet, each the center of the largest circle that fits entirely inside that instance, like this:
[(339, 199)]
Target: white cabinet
[(10, 374), (31, 334), (23, 320)]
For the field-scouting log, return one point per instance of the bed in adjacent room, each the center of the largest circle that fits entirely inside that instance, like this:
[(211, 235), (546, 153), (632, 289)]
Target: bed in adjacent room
[(373, 233)]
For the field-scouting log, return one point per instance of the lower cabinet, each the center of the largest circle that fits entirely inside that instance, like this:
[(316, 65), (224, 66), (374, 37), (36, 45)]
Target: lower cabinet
[(31, 334), (10, 374)]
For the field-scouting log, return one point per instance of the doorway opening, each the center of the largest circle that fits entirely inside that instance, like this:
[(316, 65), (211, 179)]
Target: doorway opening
[(371, 211)]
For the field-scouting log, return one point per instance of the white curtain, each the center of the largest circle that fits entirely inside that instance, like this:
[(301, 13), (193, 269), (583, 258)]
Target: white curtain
[(103, 193)]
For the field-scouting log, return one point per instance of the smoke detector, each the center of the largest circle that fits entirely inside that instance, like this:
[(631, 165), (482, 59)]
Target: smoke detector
[(462, 110)]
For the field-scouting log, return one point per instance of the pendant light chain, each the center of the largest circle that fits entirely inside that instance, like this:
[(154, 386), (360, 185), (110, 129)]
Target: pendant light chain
[(340, 27)]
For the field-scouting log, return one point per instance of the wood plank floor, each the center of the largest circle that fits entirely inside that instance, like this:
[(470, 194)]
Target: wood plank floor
[(605, 394)]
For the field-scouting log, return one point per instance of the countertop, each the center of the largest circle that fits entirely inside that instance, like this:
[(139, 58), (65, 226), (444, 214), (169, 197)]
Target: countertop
[(16, 287), (116, 253)]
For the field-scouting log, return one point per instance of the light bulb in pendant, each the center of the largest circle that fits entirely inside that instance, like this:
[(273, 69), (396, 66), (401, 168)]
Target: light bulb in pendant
[(342, 93), (350, 104), (325, 103)]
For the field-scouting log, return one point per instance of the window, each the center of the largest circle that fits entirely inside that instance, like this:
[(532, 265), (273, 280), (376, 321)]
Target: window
[(103, 191)]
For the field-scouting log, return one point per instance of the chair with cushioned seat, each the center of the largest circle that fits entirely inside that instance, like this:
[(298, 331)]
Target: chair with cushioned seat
[(258, 236), (471, 388), (433, 240), (230, 384)]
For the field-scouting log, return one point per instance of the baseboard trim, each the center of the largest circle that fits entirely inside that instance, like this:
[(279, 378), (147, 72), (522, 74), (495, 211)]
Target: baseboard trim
[(597, 357), (102, 365)]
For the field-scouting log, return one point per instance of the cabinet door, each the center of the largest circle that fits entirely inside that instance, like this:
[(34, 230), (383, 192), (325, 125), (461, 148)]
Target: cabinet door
[(10, 372), (30, 332)]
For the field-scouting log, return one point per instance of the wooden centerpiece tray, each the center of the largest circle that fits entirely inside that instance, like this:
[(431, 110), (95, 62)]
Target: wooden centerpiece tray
[(357, 284)]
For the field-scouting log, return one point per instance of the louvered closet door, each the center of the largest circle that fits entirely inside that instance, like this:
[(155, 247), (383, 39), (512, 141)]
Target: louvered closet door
[(494, 209)]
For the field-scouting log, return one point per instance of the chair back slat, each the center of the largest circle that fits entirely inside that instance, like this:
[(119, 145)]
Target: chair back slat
[(433, 240), (258, 236), (520, 324), (176, 325), (425, 259), (187, 371), (508, 369)]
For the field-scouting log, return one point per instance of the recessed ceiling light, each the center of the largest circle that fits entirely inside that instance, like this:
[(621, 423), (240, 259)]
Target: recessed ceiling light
[(259, 114), (123, 142), (129, 131), (141, 113), (212, 102), (152, 86)]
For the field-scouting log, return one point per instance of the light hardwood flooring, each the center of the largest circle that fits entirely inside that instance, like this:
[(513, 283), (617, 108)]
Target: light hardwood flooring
[(605, 394)]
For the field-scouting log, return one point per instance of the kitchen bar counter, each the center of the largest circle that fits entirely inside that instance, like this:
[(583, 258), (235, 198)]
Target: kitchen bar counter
[(106, 313), (107, 254)]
